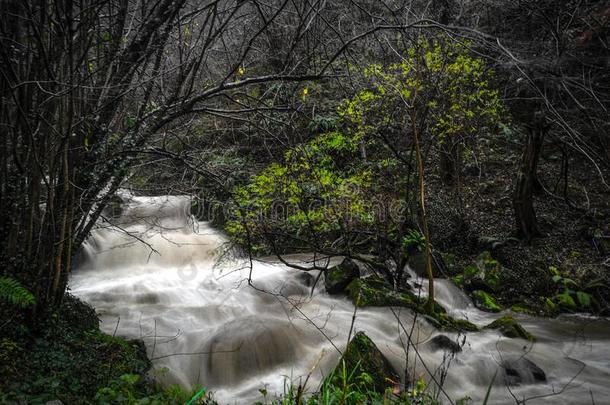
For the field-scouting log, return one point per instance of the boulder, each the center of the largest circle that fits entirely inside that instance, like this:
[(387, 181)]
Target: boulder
[(306, 278), (520, 370), (374, 291), (362, 357), (509, 327), (521, 309), (337, 278), (444, 343)]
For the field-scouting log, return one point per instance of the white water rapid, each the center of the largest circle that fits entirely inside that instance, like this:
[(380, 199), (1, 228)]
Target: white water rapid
[(205, 324)]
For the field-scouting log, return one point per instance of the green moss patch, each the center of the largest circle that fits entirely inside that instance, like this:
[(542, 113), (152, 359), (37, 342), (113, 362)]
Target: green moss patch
[(376, 292), (520, 309), (485, 301), (363, 364), (337, 278), (510, 327)]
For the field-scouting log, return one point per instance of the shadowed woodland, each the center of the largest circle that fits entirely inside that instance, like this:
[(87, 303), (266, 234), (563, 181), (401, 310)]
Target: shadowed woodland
[(393, 143)]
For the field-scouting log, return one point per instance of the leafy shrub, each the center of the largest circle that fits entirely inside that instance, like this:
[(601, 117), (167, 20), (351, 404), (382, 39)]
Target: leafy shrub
[(570, 295)]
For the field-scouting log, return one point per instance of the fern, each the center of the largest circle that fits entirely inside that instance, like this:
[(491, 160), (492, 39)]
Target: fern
[(12, 291)]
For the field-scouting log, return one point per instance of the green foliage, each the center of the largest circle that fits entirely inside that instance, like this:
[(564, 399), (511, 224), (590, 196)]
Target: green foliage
[(125, 390), (485, 272), (414, 240), (338, 192), (570, 295), (67, 358), (323, 123), (439, 78), (309, 196), (13, 292), (349, 386)]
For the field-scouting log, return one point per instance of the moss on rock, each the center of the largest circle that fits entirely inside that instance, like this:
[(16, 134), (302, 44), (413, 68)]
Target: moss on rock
[(337, 278), (363, 363), (485, 301), (374, 291), (520, 309), (442, 320), (461, 325), (510, 327)]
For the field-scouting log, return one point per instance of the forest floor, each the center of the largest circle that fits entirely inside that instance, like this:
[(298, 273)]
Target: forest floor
[(575, 231)]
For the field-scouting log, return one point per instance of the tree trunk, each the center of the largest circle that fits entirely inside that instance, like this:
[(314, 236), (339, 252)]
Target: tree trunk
[(448, 162), (429, 306), (523, 199)]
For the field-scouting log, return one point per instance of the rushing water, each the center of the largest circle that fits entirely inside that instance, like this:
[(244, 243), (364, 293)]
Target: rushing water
[(158, 277)]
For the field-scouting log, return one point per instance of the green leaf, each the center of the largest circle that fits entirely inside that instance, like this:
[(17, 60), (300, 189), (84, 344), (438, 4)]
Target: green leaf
[(13, 292), (566, 300), (491, 383), (568, 281), (583, 298)]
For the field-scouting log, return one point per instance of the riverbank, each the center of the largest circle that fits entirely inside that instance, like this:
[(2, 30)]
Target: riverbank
[(69, 359), (568, 260)]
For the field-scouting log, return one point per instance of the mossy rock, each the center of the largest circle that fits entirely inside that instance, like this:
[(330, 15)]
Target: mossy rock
[(365, 365), (520, 309), (448, 323), (337, 278), (374, 291), (485, 301), (510, 327), (461, 325)]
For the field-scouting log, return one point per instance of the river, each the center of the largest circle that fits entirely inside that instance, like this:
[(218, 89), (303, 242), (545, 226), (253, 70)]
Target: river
[(167, 279)]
